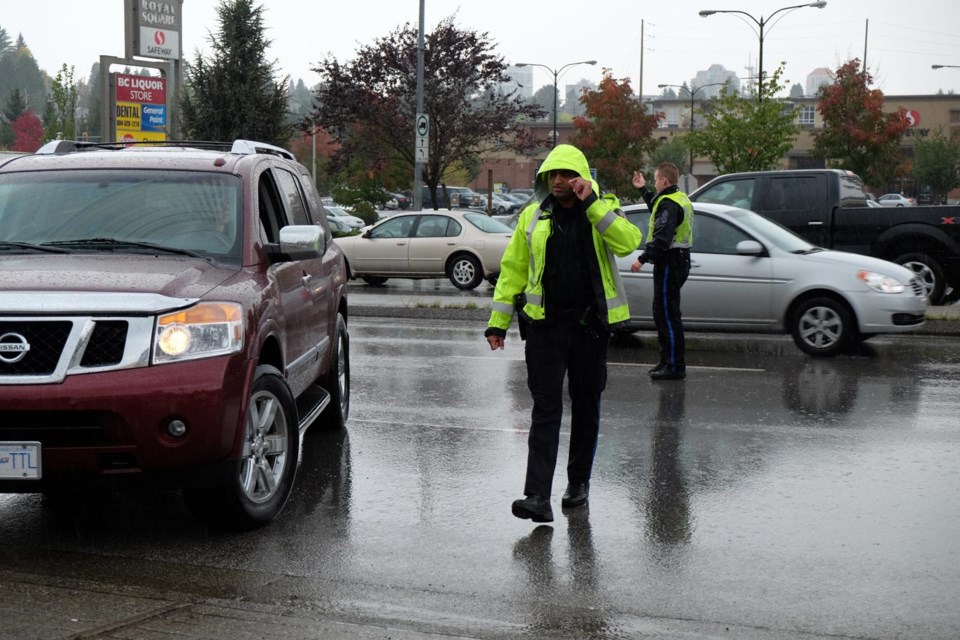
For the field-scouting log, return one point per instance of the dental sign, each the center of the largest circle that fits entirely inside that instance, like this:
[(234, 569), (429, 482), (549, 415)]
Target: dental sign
[(157, 28)]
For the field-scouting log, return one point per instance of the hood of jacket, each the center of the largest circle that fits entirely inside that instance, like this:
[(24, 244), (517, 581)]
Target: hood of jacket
[(563, 156)]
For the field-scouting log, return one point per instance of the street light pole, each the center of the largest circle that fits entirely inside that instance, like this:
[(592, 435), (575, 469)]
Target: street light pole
[(693, 95), (761, 23), (556, 74)]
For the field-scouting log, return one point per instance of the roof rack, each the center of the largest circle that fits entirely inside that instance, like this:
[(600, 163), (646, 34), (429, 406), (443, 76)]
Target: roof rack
[(246, 147), (241, 147)]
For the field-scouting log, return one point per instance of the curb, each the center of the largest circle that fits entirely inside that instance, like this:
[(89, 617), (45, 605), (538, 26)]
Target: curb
[(933, 327)]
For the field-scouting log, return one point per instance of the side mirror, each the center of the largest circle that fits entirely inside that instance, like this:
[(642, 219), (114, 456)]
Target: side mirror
[(302, 242), (749, 248)]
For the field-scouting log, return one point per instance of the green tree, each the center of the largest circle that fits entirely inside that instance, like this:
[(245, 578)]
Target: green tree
[(746, 134), (857, 134), (5, 42), (796, 91), (12, 109), (616, 133), (19, 70), (544, 99), (673, 150), (936, 162), (235, 94), (369, 104), (64, 94), (90, 103)]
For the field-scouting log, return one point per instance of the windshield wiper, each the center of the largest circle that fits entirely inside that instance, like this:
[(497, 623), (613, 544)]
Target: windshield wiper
[(6, 244), (113, 242)]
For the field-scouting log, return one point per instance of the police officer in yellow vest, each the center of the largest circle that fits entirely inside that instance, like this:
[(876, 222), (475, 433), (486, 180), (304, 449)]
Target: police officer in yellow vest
[(560, 264), (668, 248)]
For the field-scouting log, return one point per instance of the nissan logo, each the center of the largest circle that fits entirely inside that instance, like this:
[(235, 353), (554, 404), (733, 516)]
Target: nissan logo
[(13, 348)]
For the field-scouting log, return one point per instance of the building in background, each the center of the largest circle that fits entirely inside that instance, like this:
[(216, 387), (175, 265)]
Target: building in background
[(816, 79), (521, 81)]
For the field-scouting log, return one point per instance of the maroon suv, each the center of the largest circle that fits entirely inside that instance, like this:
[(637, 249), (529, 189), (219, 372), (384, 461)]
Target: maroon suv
[(170, 313)]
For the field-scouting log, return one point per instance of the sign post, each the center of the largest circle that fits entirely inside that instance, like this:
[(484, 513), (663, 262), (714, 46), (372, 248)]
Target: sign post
[(153, 30)]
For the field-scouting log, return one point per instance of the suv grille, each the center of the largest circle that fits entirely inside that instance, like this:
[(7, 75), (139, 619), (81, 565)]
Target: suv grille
[(106, 344), (46, 340), (53, 428)]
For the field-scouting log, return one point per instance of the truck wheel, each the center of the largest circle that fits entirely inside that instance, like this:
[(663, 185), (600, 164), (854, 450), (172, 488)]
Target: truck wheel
[(925, 267), (465, 271), (263, 476), (337, 381), (822, 326)]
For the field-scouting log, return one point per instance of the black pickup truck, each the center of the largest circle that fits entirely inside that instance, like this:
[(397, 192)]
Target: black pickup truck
[(828, 207)]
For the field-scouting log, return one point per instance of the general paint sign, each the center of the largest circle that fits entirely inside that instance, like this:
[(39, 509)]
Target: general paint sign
[(141, 108), (154, 28)]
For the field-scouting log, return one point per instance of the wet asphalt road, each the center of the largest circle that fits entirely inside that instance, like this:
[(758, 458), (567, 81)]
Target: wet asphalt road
[(770, 495)]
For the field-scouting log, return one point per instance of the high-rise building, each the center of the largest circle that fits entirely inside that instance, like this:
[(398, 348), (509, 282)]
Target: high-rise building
[(521, 81), (816, 79)]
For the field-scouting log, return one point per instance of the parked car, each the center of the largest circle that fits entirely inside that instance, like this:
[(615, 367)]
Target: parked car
[(403, 202), (344, 216), (464, 246), (177, 315), (456, 198), (750, 274), (896, 200), (873, 204), (828, 208)]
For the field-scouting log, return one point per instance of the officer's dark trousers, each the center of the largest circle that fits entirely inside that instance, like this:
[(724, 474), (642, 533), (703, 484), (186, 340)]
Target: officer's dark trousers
[(552, 350), (669, 274)]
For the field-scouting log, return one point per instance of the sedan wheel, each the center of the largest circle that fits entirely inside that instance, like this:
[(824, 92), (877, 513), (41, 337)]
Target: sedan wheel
[(268, 461), (465, 272), (822, 326)]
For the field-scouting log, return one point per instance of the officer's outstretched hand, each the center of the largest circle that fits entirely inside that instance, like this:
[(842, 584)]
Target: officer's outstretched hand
[(638, 180), (496, 342)]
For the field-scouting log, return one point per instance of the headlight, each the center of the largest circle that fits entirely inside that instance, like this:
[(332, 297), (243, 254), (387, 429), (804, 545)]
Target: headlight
[(880, 282), (203, 331)]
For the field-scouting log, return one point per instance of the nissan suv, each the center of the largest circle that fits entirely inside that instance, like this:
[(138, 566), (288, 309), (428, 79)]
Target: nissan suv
[(167, 312)]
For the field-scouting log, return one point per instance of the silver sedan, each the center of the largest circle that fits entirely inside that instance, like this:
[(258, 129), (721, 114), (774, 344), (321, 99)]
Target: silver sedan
[(750, 274)]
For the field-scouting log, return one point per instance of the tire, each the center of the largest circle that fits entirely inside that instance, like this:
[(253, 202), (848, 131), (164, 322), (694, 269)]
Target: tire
[(822, 326), (337, 381), (374, 281), (465, 271), (928, 270), (263, 476)]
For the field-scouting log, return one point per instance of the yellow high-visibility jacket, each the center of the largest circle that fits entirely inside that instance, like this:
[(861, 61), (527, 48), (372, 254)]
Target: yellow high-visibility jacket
[(521, 268)]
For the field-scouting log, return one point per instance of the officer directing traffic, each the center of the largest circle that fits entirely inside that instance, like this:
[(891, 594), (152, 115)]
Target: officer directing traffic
[(559, 270)]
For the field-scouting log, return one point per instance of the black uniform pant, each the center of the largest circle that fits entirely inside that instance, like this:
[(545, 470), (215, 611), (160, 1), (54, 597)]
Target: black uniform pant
[(669, 274), (552, 351)]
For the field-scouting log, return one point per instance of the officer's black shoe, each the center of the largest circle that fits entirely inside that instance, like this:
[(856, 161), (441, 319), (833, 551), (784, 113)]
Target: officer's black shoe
[(536, 508), (667, 374), (576, 495), (660, 366)]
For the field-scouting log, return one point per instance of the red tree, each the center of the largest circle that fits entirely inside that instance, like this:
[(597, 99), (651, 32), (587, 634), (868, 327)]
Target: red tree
[(858, 135), (616, 133), (27, 132)]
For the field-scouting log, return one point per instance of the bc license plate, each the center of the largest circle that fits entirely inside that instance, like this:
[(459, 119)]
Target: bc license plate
[(20, 460)]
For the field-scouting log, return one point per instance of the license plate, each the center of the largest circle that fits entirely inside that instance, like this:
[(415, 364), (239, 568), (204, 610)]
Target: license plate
[(20, 460)]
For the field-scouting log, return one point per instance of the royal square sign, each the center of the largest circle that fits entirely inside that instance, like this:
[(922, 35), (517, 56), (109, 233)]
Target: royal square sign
[(153, 28)]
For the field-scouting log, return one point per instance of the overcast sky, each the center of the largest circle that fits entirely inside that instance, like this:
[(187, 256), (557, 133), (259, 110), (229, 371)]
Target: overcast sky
[(904, 37)]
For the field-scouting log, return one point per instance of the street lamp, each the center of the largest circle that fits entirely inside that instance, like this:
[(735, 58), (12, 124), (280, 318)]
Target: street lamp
[(693, 96), (556, 73), (945, 66), (761, 23)]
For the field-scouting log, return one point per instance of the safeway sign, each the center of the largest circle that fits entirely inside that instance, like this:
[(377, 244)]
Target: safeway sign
[(153, 28)]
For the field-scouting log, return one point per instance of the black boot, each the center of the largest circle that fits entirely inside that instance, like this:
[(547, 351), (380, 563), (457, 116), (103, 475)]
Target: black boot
[(576, 495), (536, 508)]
